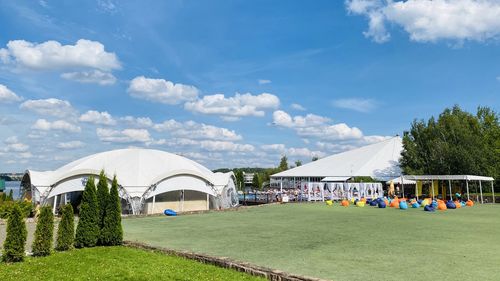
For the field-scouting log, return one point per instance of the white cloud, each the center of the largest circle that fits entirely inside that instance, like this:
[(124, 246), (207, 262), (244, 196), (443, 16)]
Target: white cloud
[(52, 55), (12, 144), (161, 90), (431, 20), (70, 145), (92, 76), (302, 152), (297, 106), (8, 96), (49, 107), (356, 104), (264, 81), (142, 122), (273, 147), (316, 126), (96, 117), (61, 125), (281, 118), (238, 106), (225, 146), (194, 130), (124, 136)]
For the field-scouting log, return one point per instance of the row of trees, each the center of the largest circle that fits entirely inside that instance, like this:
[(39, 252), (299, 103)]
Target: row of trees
[(99, 224), (457, 142)]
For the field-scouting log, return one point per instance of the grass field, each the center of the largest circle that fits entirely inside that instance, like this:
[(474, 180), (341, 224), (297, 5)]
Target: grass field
[(115, 263), (340, 243)]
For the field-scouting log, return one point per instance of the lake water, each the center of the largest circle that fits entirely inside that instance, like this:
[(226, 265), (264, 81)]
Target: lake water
[(15, 187)]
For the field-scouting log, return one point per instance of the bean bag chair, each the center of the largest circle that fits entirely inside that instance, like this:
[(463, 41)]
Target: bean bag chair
[(434, 204), (394, 203), (345, 203), (352, 200), (424, 203), (360, 204), (463, 204), (419, 201), (429, 208), (469, 203), (441, 206), (363, 199), (374, 202), (458, 205), (386, 202), (451, 205), (382, 204), (355, 201), (329, 202), (415, 205), (403, 205), (170, 213)]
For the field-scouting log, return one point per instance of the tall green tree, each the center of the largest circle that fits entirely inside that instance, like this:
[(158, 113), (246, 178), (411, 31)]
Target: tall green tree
[(102, 199), (66, 230), (87, 230), (13, 247), (298, 163), (457, 142), (112, 232), (256, 183), (314, 158), (44, 233), (283, 163), (240, 179)]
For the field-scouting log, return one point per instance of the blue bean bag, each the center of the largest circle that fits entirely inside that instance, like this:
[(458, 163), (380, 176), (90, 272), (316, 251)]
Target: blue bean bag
[(373, 203), (434, 204), (170, 213), (429, 208), (451, 205), (463, 204), (381, 204), (415, 205), (419, 201), (403, 205)]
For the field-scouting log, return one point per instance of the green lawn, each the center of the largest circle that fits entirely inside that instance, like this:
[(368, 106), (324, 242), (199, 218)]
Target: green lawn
[(115, 263), (340, 243)]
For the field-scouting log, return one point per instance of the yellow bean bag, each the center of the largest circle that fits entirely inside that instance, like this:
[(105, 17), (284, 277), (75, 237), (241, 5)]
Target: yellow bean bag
[(329, 202), (360, 204)]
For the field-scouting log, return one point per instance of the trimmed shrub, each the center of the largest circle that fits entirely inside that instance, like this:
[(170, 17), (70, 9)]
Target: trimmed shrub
[(66, 230), (44, 233), (112, 231), (87, 230), (6, 208), (10, 197), (13, 247), (102, 199)]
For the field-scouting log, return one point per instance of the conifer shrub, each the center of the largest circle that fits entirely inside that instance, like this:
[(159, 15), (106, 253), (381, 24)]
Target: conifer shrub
[(112, 232), (13, 247), (87, 230), (44, 233), (102, 199), (66, 230)]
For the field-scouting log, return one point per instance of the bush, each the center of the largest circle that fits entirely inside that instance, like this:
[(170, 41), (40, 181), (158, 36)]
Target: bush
[(44, 233), (102, 199), (87, 230), (112, 232), (6, 208), (66, 230), (13, 248)]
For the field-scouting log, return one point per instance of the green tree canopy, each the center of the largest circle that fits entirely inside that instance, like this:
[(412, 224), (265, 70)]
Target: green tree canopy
[(112, 232), (87, 230), (283, 163), (66, 230), (13, 247), (44, 233), (102, 200), (456, 143)]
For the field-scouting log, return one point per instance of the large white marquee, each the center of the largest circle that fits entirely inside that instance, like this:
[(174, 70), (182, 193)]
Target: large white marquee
[(150, 181)]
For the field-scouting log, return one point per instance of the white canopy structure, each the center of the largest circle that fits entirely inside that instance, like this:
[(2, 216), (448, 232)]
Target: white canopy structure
[(324, 177), (379, 160), (143, 175)]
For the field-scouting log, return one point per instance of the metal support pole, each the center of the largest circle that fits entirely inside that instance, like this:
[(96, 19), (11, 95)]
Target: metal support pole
[(55, 203), (481, 191), (153, 207), (493, 191), (432, 186), (449, 186), (467, 186), (208, 200), (281, 186)]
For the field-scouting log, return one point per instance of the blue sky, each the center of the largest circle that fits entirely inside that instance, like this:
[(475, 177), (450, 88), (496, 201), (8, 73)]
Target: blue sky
[(234, 83)]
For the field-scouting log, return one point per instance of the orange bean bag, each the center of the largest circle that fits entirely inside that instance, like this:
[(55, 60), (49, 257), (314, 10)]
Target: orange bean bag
[(442, 206), (469, 203), (345, 203), (394, 203), (457, 203), (386, 202)]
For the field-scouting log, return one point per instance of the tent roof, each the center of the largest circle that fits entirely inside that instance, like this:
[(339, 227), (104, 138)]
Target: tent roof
[(335, 179), (378, 160), (448, 177), (398, 181)]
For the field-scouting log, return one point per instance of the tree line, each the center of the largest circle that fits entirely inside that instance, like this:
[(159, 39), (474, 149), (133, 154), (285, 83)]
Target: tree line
[(99, 224)]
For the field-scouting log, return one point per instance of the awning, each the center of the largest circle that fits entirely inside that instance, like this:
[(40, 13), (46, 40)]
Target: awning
[(335, 179), (398, 181)]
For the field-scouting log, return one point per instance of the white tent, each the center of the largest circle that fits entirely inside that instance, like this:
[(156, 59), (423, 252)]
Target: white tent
[(379, 160), (150, 181)]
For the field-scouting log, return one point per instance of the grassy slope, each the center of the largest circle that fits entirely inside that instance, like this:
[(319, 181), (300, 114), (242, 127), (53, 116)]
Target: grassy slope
[(115, 263), (341, 243)]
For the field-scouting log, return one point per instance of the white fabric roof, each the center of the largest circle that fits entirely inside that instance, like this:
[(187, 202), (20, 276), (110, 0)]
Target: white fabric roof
[(136, 169), (378, 160), (398, 180)]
